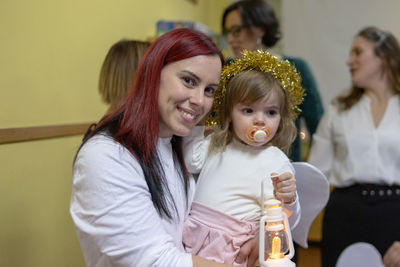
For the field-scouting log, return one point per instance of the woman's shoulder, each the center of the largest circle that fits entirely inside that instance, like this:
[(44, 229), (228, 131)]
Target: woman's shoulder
[(100, 142), (298, 62), (102, 150)]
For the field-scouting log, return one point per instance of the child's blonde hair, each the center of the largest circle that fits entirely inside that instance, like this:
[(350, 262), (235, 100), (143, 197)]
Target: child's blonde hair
[(248, 87)]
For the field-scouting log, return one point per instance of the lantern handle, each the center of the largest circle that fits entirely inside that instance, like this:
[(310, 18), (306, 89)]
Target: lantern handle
[(289, 233), (261, 237)]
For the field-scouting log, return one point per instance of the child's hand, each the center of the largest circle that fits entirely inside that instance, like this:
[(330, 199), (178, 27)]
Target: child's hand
[(284, 187)]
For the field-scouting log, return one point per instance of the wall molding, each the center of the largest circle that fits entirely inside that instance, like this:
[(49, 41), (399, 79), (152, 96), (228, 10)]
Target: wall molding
[(24, 134)]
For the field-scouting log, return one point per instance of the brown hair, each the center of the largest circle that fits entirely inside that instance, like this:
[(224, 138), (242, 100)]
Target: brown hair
[(119, 69), (387, 49), (258, 13), (248, 87)]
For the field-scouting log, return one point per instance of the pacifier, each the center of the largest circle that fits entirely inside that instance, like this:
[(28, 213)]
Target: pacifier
[(257, 134)]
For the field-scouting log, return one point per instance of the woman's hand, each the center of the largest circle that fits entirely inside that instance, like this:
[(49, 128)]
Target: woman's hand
[(284, 187), (392, 255), (248, 250)]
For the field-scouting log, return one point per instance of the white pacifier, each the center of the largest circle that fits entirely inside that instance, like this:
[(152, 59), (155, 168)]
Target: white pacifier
[(260, 136), (257, 134)]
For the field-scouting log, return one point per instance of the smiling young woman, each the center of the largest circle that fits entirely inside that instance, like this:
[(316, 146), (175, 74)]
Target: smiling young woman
[(357, 147)]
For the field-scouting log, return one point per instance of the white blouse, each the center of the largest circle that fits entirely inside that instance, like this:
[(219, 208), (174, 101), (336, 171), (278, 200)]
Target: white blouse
[(114, 216), (348, 148)]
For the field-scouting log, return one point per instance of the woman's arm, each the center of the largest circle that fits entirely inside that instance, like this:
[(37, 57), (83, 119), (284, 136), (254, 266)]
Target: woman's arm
[(392, 255), (195, 148), (249, 250), (115, 220), (322, 150)]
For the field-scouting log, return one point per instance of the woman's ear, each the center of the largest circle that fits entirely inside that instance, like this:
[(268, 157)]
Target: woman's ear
[(257, 31)]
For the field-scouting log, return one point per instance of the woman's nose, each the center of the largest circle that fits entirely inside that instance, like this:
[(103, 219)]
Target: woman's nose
[(197, 97), (230, 38), (349, 61)]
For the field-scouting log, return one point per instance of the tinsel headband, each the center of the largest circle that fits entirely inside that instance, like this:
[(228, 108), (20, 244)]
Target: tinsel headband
[(265, 62)]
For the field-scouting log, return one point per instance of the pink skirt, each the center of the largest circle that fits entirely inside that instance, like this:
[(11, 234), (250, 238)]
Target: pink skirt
[(216, 236)]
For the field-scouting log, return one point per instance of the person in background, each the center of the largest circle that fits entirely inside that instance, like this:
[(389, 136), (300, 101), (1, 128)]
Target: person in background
[(357, 147), (131, 191), (252, 25), (119, 70), (255, 127)]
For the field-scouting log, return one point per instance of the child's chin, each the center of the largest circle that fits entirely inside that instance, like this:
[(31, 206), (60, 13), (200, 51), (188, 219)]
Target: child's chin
[(257, 144), (254, 144)]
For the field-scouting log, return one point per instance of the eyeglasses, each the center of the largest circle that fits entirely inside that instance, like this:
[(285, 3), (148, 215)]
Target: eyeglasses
[(235, 30)]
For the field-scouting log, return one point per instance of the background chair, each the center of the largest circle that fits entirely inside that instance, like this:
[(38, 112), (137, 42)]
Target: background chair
[(360, 254)]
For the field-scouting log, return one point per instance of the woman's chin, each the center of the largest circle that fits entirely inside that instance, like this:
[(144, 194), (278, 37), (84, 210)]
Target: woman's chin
[(183, 131)]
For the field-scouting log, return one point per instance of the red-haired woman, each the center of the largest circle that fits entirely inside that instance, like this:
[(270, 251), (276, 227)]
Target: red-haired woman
[(131, 190)]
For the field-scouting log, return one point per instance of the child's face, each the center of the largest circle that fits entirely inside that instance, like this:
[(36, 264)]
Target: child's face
[(265, 112)]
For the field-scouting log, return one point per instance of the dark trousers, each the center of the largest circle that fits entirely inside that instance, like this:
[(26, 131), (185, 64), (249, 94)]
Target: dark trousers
[(360, 213)]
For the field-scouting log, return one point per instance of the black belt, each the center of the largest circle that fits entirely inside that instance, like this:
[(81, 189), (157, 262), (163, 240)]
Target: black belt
[(378, 192)]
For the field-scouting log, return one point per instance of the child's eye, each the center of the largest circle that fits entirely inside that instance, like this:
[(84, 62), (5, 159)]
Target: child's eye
[(247, 110), (272, 112), (189, 81), (209, 91)]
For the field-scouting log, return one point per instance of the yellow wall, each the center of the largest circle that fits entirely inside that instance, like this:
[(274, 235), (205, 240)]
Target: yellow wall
[(51, 53)]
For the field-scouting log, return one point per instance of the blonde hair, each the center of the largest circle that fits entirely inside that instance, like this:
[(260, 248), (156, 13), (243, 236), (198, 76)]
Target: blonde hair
[(118, 71), (248, 87)]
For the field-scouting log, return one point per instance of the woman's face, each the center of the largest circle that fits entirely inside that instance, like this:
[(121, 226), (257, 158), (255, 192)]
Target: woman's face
[(365, 67), (187, 89), (239, 36), (262, 113)]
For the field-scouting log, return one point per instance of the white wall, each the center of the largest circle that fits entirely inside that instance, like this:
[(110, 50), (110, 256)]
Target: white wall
[(321, 32)]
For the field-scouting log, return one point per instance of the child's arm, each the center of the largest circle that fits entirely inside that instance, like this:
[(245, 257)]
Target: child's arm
[(284, 187), (285, 190)]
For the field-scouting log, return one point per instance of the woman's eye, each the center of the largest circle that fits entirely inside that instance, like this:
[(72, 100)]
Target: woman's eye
[(209, 91), (189, 81), (357, 52)]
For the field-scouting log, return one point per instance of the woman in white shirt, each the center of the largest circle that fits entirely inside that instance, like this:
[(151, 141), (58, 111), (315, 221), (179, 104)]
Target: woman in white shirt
[(357, 146), (131, 190)]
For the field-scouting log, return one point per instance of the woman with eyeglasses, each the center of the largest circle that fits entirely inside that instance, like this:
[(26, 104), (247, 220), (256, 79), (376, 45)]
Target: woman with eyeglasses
[(357, 147), (252, 25)]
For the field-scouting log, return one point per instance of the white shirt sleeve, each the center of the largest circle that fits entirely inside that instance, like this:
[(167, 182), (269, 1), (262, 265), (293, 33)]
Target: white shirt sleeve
[(195, 149), (111, 206), (322, 150)]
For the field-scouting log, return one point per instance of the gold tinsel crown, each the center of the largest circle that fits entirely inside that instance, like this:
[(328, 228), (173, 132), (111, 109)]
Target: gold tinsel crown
[(265, 62)]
